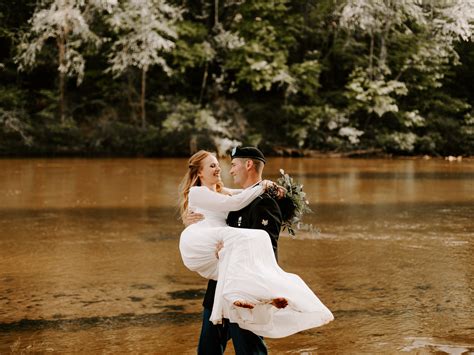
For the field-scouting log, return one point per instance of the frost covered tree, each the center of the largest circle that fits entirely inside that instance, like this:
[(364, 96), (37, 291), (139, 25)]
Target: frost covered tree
[(145, 31), (65, 22)]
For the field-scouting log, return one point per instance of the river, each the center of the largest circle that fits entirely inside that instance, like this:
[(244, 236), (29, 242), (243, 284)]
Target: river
[(89, 257)]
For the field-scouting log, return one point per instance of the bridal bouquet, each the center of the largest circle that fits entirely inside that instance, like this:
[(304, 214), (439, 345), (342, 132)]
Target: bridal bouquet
[(294, 205)]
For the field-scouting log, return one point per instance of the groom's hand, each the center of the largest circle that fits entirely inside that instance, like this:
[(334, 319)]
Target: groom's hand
[(192, 217)]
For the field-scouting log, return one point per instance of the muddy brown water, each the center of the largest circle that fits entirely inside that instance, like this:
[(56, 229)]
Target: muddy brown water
[(89, 259)]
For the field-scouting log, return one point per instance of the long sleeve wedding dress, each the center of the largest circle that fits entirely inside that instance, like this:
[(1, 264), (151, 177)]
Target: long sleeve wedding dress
[(246, 270)]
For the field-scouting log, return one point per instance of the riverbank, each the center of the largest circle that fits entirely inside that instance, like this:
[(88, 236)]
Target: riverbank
[(282, 152)]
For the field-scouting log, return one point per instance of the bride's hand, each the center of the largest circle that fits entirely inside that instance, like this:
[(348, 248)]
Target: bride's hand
[(268, 185)]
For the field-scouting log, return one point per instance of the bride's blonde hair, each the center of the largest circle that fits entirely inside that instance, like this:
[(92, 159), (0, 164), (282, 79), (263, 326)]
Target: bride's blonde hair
[(192, 179)]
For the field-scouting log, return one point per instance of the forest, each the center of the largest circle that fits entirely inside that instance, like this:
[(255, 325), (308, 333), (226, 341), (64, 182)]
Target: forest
[(295, 77)]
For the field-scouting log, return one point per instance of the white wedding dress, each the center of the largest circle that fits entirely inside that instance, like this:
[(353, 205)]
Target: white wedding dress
[(246, 269)]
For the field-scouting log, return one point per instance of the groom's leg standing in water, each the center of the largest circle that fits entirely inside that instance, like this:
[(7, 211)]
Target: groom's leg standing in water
[(245, 342), (213, 338)]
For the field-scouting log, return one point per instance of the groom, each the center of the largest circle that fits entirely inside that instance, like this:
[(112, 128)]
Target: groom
[(262, 213)]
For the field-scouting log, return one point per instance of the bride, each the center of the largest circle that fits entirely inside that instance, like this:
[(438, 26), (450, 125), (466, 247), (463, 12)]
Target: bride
[(252, 290)]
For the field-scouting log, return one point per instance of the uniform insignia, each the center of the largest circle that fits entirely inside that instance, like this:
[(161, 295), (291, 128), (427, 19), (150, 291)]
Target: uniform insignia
[(239, 221), (264, 222)]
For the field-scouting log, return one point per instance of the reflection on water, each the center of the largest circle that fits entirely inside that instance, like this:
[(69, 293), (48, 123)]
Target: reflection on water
[(89, 259), (434, 346)]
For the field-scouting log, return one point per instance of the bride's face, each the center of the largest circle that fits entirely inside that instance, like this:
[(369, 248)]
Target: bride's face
[(210, 173)]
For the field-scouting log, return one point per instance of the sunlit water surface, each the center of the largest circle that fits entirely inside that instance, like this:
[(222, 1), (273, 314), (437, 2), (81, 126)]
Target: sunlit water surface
[(89, 256)]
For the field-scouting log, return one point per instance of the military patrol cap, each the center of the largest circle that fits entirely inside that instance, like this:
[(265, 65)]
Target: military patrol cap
[(247, 152)]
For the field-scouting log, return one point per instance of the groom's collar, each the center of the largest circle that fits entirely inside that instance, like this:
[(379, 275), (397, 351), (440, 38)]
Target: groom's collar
[(253, 185)]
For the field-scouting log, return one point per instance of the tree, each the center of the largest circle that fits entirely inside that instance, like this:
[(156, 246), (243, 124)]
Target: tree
[(213, 125), (431, 30), (65, 22), (146, 30), (260, 35), (410, 49), (309, 74)]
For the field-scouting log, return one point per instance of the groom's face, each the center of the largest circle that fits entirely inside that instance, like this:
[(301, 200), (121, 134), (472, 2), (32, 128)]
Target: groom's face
[(239, 171)]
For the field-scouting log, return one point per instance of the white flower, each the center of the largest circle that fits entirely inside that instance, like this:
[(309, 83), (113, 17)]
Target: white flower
[(351, 133)]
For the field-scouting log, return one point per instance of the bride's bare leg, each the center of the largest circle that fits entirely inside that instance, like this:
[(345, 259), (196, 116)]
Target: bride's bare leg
[(244, 304)]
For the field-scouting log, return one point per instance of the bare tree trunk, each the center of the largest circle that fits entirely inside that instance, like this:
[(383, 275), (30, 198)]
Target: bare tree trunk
[(142, 99), (62, 99), (132, 96), (193, 144), (62, 79), (383, 47), (204, 80), (383, 54), (371, 57), (216, 12)]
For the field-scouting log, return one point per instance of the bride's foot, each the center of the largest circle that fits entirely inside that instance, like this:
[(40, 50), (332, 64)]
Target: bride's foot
[(279, 302), (243, 304)]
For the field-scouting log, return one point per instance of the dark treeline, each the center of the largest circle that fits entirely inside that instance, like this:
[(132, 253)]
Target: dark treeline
[(150, 78)]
